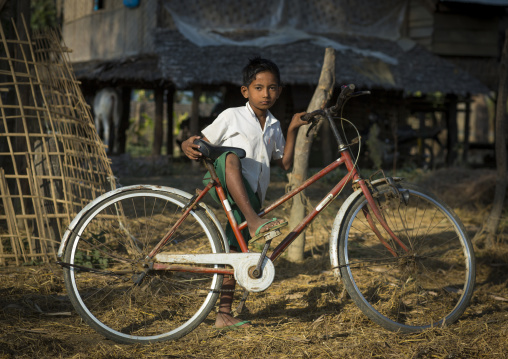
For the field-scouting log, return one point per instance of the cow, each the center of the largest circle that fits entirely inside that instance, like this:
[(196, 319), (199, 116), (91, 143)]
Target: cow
[(107, 113)]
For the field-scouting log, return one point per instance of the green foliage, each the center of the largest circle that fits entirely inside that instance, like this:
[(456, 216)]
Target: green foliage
[(185, 97), (32, 263), (179, 118), (148, 121), (92, 258), (44, 14), (141, 136), (142, 95)]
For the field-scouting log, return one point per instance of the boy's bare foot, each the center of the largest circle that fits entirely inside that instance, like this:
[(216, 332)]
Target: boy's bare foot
[(224, 320), (254, 225)]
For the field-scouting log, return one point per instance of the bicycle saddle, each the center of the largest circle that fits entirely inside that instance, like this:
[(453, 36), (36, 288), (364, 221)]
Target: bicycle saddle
[(213, 152)]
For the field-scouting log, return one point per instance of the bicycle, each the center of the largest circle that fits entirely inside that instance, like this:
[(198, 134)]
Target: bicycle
[(145, 263)]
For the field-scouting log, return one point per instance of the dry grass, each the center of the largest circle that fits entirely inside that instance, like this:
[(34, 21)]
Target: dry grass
[(305, 314)]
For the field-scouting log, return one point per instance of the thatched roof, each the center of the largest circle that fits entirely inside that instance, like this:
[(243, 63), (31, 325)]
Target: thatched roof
[(183, 64), (135, 70)]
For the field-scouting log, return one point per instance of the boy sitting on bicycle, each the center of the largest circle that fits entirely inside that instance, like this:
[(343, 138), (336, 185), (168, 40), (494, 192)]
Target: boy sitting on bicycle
[(254, 129)]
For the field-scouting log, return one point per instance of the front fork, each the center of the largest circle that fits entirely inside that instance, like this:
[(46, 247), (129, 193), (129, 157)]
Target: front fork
[(362, 184), (378, 215)]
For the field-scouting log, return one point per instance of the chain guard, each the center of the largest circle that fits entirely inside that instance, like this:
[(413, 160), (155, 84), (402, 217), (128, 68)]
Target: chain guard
[(243, 264), (243, 277)]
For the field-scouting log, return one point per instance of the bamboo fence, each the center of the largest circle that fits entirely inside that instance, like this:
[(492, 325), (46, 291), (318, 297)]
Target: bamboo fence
[(52, 160)]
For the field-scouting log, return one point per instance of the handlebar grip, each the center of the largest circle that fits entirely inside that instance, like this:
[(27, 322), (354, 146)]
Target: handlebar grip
[(307, 117), (360, 93), (347, 90)]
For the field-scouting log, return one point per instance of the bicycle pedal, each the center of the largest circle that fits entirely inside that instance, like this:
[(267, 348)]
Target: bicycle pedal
[(272, 234), (268, 236)]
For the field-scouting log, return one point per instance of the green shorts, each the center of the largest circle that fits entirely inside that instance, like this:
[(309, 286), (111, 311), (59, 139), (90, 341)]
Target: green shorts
[(220, 169)]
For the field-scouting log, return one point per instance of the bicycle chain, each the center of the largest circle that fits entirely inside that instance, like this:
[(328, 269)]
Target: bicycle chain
[(228, 290), (207, 289)]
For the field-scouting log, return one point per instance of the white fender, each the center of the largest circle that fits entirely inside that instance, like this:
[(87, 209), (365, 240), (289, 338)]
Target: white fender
[(338, 223), (92, 204)]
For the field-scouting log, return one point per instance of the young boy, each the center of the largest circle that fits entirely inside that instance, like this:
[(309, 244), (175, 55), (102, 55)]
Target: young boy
[(253, 128)]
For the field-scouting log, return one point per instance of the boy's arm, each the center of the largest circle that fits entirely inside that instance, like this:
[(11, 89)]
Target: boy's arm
[(289, 150), (190, 149)]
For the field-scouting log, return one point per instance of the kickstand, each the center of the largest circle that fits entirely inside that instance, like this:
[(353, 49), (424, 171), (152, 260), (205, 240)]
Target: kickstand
[(240, 306)]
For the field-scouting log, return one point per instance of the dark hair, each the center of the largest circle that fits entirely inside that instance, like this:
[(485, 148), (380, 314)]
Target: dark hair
[(257, 65)]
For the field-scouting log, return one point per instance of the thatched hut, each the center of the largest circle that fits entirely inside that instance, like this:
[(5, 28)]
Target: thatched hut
[(386, 47)]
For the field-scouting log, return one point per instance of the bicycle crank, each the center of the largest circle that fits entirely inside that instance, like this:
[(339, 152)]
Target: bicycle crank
[(244, 265)]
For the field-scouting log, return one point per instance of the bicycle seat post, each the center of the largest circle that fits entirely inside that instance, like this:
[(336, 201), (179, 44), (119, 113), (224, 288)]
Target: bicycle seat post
[(209, 166)]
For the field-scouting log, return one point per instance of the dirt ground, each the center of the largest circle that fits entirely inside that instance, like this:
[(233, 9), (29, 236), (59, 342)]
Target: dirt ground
[(305, 314)]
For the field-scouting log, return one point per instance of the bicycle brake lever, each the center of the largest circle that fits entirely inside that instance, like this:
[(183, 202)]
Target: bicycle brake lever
[(313, 124)]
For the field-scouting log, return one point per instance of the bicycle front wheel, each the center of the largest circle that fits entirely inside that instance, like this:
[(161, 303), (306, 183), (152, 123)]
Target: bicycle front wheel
[(103, 267), (430, 284)]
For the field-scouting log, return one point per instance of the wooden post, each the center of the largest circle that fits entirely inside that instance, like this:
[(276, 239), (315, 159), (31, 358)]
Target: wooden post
[(491, 224), (170, 126), (302, 150), (451, 125), (121, 139), (157, 130), (467, 125), (194, 120)]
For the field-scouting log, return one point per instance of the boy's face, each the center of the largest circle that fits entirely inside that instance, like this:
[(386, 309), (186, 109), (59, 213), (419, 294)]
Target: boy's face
[(262, 92)]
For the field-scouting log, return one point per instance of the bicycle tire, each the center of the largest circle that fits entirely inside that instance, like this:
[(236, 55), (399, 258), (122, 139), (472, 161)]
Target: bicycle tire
[(103, 259), (429, 286)]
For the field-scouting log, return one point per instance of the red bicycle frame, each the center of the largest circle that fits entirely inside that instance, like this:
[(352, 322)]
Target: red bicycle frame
[(352, 175)]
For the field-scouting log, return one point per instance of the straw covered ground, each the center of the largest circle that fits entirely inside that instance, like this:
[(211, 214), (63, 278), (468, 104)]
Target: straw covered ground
[(305, 314)]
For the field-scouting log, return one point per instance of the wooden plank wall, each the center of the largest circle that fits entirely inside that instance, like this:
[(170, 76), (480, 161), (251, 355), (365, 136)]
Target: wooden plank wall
[(112, 32), (420, 24), (452, 34), (462, 35)]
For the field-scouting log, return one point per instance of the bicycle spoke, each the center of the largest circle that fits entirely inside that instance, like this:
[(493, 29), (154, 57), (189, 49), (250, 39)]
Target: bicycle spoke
[(430, 284), (116, 292)]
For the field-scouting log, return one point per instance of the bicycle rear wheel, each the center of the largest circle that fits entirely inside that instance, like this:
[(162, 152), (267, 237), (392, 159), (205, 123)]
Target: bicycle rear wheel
[(430, 285), (104, 258)]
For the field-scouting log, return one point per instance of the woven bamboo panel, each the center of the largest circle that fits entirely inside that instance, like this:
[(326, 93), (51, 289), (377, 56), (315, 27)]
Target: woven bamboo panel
[(52, 161)]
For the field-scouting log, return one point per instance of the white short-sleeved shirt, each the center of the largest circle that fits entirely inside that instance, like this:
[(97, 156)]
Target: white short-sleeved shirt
[(240, 127)]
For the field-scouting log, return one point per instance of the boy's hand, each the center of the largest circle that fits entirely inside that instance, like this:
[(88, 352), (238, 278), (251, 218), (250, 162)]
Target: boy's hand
[(296, 121), (289, 150), (190, 149)]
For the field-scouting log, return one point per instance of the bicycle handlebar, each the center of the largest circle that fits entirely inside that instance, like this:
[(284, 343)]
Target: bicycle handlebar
[(347, 92)]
